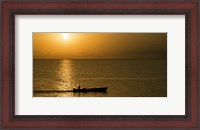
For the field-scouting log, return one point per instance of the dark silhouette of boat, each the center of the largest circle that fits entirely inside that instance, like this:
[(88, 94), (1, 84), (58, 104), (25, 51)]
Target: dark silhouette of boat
[(99, 89)]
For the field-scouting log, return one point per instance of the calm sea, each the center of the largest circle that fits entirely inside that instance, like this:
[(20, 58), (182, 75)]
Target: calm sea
[(124, 78)]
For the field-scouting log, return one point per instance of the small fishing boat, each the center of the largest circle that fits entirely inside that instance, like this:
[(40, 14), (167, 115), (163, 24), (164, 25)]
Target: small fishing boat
[(99, 89)]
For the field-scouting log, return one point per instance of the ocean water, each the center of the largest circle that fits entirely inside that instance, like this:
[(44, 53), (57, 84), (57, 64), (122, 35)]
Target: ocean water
[(124, 78)]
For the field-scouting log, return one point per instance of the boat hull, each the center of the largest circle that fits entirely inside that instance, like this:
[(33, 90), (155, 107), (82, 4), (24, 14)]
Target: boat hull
[(101, 89)]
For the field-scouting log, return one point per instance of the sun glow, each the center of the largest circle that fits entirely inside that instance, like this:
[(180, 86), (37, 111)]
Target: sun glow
[(65, 36)]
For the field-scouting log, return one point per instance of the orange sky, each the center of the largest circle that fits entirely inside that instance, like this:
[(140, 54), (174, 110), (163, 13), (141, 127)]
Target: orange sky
[(99, 45)]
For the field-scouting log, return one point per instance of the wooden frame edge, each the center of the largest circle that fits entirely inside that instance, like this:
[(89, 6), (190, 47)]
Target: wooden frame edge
[(84, 124)]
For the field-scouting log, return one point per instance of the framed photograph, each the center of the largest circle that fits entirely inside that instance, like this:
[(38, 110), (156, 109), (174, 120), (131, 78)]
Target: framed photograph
[(84, 64)]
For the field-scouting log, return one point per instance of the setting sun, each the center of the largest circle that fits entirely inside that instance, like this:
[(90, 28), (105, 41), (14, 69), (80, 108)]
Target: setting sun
[(68, 45), (65, 36), (86, 64)]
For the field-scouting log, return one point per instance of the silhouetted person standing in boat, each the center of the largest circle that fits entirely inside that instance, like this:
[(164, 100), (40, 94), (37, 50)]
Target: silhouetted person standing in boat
[(79, 87)]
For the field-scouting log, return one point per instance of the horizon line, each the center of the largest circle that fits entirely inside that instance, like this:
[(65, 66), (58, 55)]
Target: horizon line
[(106, 59)]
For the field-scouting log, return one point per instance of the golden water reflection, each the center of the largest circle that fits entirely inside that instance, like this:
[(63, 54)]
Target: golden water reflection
[(65, 75)]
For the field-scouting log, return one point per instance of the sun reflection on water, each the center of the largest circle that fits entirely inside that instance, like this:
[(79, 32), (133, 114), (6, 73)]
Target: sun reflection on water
[(66, 75)]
